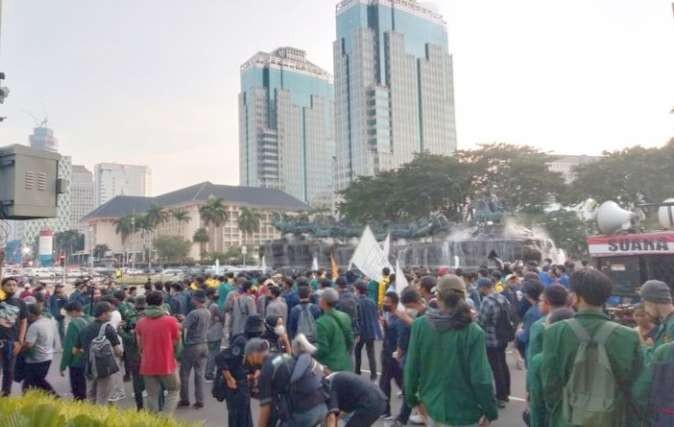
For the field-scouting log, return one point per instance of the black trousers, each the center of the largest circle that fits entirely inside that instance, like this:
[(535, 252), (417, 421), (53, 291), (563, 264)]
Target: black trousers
[(36, 377), (369, 348), (238, 408), (367, 413), (499, 366), (7, 361), (78, 383), (390, 371)]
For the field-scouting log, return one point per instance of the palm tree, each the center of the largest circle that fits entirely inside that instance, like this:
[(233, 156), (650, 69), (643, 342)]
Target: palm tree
[(180, 215), (201, 237), (213, 215), (249, 221), (156, 216), (125, 226)]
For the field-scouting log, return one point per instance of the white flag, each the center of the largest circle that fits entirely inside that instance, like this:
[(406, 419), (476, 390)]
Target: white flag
[(314, 264), (401, 280), (387, 246), (264, 263), (368, 256)]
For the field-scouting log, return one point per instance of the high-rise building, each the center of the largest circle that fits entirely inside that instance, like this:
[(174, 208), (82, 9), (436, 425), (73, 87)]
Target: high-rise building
[(43, 138), (394, 86), (286, 138), (81, 196), (114, 179)]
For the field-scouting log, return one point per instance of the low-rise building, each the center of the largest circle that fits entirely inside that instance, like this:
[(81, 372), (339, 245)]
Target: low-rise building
[(101, 224)]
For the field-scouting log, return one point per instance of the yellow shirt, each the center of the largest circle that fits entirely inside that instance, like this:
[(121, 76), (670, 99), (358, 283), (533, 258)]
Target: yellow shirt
[(212, 283), (383, 286), (499, 287)]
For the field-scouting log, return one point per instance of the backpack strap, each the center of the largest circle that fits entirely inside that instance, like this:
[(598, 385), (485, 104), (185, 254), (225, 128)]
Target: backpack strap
[(101, 332), (604, 332), (578, 330)]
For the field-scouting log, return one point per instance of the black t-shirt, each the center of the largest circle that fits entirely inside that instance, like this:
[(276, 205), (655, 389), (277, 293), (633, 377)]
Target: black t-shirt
[(88, 334), (270, 387), (12, 312), (349, 392)]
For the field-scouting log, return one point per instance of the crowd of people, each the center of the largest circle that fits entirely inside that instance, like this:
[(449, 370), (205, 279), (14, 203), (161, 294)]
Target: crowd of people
[(294, 344)]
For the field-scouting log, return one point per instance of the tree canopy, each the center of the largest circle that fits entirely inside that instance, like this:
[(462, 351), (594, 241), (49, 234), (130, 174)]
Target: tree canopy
[(172, 248)]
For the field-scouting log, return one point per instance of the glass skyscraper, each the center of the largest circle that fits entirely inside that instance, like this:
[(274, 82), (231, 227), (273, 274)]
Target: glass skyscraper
[(394, 89), (286, 136)]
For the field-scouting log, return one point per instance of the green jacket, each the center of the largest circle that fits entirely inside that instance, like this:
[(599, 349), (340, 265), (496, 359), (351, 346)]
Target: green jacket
[(665, 332), (535, 392), (334, 339), (373, 291), (74, 328), (448, 371), (559, 351), (536, 337)]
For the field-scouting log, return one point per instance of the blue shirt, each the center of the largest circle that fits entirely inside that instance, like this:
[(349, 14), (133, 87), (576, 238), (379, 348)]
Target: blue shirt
[(368, 319), (392, 333), (294, 319)]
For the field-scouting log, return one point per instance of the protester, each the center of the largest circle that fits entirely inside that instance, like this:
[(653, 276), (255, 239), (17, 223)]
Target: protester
[(447, 347), (393, 330), (215, 333), (303, 316), (348, 303), (362, 401), (494, 316), (158, 339), (532, 291), (644, 325), (13, 325), (657, 300), (426, 289), (223, 290), (39, 347), (555, 298), (70, 359), (383, 285), (369, 329), (99, 373), (240, 304), (55, 304), (195, 352), (334, 336), (586, 384), (276, 306)]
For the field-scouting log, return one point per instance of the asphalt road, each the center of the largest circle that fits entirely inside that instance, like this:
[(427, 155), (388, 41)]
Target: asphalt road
[(215, 413)]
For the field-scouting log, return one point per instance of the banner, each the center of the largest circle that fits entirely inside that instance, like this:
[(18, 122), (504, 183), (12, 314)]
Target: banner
[(632, 244), (314, 264), (368, 257), (401, 280), (387, 246)]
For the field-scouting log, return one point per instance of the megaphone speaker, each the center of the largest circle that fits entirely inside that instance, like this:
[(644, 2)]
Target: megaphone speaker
[(611, 217)]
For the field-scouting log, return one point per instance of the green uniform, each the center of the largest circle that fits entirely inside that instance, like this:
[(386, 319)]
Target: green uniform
[(334, 340), (536, 337), (223, 291), (535, 392), (665, 332), (373, 290), (560, 345), (448, 371), (74, 328)]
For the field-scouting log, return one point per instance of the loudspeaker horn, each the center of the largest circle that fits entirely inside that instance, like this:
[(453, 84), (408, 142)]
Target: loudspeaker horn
[(666, 215), (611, 217)]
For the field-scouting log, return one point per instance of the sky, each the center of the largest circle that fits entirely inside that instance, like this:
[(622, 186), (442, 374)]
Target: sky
[(156, 81)]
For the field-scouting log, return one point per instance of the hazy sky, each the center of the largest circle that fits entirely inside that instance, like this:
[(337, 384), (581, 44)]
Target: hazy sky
[(156, 81)]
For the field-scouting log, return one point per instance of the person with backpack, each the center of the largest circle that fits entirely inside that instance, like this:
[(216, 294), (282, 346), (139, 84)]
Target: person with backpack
[(275, 305), (368, 328), (351, 394), (495, 318), (348, 303), (100, 346), (215, 334), (447, 369), (303, 316), (334, 334), (291, 389), (195, 350), (69, 359), (391, 370), (240, 304), (589, 362)]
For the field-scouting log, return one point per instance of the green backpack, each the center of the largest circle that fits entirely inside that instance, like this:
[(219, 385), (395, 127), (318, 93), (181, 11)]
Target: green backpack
[(590, 396)]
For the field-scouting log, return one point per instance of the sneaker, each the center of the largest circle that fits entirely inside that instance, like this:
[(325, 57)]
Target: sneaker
[(183, 404), (501, 404), (198, 405), (417, 419), (519, 364), (399, 394), (208, 380)]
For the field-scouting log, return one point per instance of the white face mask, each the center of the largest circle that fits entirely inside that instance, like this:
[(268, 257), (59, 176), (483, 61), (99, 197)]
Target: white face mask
[(412, 312), (280, 330)]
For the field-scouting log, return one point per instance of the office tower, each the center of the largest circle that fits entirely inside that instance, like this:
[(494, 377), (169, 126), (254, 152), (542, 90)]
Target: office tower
[(286, 136), (114, 179), (81, 196), (43, 138), (394, 94)]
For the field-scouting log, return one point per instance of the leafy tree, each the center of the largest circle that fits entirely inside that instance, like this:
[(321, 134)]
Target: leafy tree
[(249, 221), (125, 226), (568, 231), (155, 216), (68, 242), (172, 248), (201, 237), (213, 215), (180, 215)]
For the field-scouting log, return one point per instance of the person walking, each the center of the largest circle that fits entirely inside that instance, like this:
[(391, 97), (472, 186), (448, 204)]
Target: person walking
[(195, 351), (158, 338), (368, 327), (70, 360), (240, 304), (390, 367), (276, 306), (334, 336), (447, 369), (303, 316), (589, 362), (13, 325), (39, 347), (215, 333), (55, 304)]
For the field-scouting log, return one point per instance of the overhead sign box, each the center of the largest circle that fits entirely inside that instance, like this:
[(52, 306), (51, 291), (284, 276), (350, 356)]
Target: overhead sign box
[(29, 184)]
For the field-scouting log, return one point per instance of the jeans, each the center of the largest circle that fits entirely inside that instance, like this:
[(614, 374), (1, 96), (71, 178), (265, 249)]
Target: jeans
[(213, 350), (390, 370), (193, 357), (8, 360), (36, 377), (369, 348), (311, 418), (499, 366), (78, 383), (155, 384), (99, 390), (238, 408), (367, 414), (137, 382)]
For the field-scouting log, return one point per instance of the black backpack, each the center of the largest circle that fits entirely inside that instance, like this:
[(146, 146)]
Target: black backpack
[(348, 304), (504, 327), (306, 387)]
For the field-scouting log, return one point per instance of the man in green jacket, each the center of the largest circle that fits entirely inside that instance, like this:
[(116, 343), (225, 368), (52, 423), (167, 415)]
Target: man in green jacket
[(554, 298), (334, 336), (72, 360), (657, 299), (590, 290), (447, 369)]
